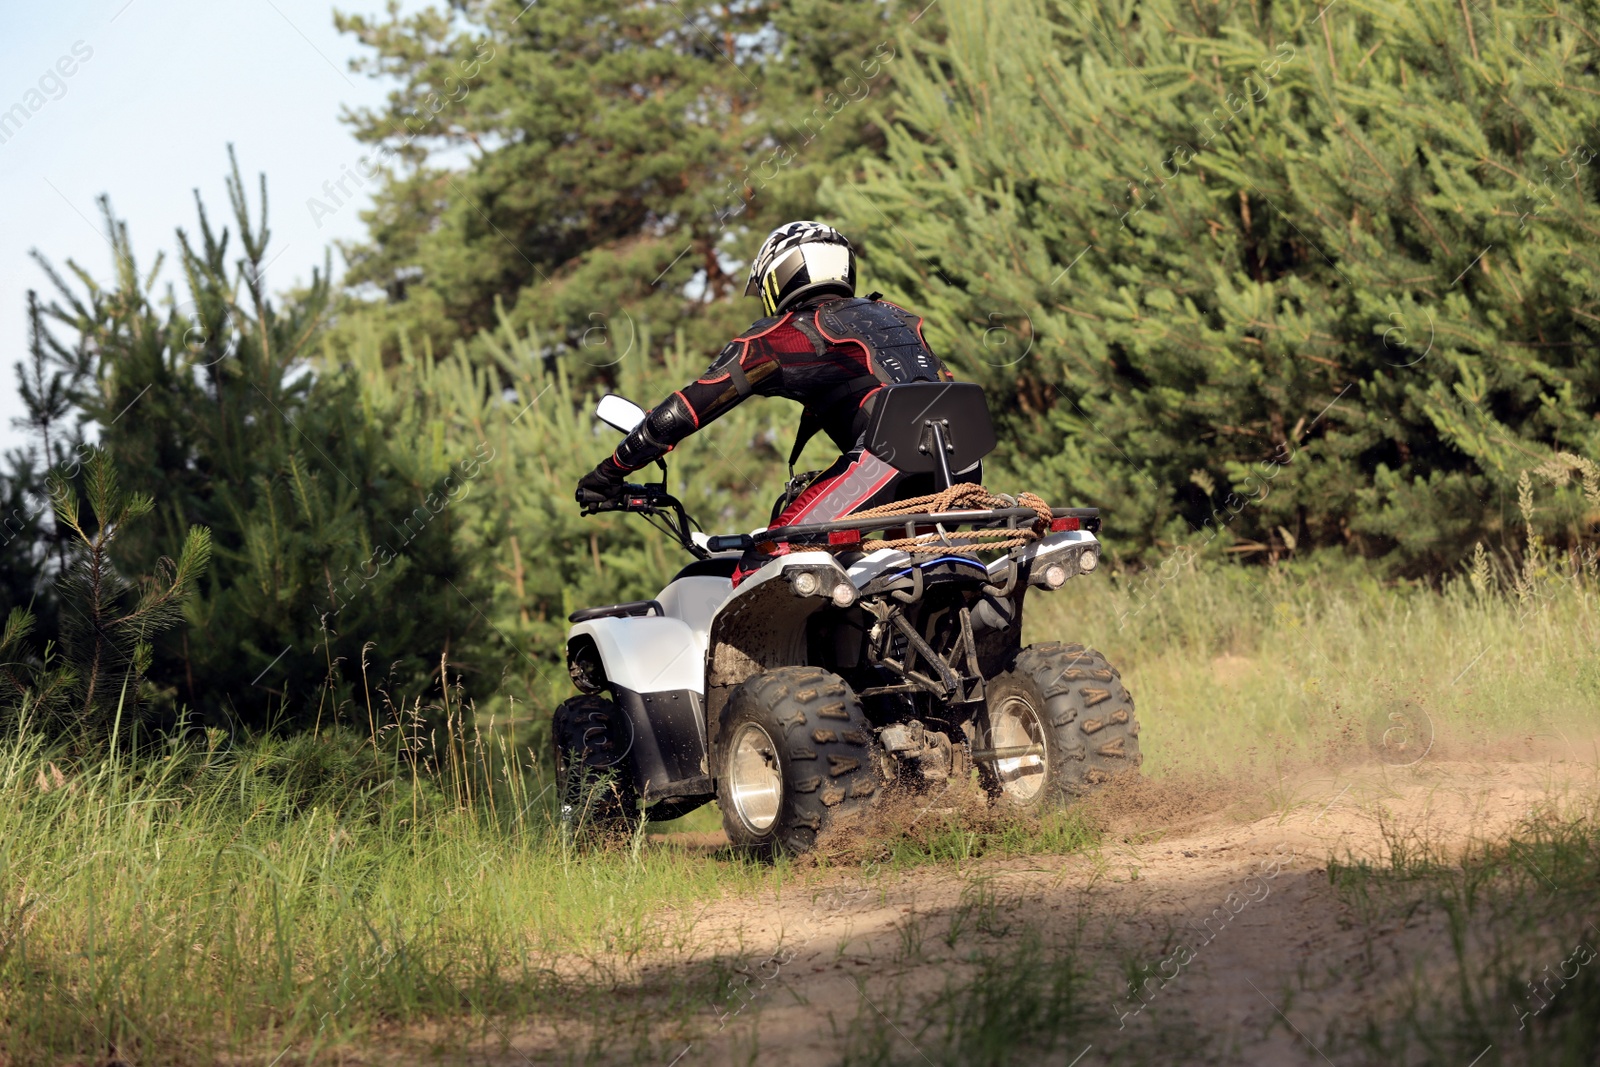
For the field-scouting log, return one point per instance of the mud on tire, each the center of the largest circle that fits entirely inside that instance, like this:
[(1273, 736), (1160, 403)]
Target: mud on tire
[(594, 776), (1070, 700), (794, 754)]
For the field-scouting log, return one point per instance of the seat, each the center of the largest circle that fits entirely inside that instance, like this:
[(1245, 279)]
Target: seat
[(616, 611), (720, 567)]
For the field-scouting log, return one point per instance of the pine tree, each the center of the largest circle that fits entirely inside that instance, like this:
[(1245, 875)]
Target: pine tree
[(593, 165), (50, 383), (212, 404), (108, 623), (1275, 276)]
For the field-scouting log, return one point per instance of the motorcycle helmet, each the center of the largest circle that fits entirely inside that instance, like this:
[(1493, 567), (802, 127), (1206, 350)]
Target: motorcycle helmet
[(801, 260)]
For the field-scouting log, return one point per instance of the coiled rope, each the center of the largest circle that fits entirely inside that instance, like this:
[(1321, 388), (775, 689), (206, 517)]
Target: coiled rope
[(965, 496)]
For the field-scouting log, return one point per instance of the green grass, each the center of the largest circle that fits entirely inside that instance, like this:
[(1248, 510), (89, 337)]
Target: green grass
[(204, 902), (1251, 668), (950, 840)]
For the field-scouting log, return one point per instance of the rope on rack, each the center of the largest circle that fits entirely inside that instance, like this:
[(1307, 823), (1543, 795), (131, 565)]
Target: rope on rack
[(964, 496)]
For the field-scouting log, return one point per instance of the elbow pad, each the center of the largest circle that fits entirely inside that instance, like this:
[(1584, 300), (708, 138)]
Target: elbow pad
[(667, 423)]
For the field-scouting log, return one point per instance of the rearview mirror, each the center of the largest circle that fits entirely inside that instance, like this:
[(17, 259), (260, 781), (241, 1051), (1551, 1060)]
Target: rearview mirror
[(619, 413)]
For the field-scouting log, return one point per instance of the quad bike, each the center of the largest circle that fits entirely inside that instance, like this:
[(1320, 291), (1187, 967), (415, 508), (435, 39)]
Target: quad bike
[(848, 662)]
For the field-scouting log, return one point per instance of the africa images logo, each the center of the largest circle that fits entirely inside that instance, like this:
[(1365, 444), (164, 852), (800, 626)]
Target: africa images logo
[(52, 85)]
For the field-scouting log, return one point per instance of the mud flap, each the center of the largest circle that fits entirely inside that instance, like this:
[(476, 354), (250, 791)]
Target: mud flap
[(669, 745)]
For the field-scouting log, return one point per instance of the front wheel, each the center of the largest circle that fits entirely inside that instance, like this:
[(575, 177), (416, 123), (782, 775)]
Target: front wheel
[(1060, 723), (594, 774), (794, 755)]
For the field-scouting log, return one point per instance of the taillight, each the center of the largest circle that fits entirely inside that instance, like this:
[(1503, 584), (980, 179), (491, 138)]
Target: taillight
[(844, 537), (1069, 522)]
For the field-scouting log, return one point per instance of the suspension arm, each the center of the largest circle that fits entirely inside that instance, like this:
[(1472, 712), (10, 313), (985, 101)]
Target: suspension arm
[(947, 674)]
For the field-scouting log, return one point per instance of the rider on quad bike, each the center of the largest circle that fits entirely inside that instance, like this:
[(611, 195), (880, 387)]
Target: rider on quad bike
[(820, 345), (860, 641)]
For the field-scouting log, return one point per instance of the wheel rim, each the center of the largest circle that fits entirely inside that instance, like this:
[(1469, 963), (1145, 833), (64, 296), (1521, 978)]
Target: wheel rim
[(756, 781), (1017, 723)]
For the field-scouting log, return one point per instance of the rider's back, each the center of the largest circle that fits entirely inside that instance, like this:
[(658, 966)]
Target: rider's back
[(831, 356)]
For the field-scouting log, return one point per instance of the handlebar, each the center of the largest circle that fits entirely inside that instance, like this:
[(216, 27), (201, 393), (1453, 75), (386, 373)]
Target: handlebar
[(652, 496), (654, 502)]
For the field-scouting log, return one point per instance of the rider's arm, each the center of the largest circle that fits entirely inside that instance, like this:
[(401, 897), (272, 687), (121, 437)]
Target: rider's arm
[(745, 366)]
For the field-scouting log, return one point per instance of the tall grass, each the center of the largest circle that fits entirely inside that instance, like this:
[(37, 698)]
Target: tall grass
[(290, 895), (1234, 666), (1318, 659)]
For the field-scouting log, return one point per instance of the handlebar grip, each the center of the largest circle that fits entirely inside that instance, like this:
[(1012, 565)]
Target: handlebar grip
[(630, 500), (729, 543)]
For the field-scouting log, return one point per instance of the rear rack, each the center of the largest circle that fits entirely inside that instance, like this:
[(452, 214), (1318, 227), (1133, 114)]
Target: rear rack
[(817, 532)]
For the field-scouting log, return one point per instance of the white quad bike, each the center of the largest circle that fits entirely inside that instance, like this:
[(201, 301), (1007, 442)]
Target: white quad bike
[(838, 669)]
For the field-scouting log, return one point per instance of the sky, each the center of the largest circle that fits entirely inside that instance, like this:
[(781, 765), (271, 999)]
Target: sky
[(157, 90)]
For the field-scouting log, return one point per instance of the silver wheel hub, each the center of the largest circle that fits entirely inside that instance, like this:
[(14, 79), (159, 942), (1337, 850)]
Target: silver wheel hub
[(1015, 724), (756, 780)]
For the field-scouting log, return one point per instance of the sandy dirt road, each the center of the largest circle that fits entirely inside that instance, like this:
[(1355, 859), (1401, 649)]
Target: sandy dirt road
[(1215, 895)]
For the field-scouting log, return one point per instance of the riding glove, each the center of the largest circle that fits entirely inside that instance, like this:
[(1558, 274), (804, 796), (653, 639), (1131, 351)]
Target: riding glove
[(601, 485)]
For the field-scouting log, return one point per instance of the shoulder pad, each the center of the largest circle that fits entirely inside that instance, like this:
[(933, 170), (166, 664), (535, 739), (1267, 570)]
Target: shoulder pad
[(761, 326), (854, 302)]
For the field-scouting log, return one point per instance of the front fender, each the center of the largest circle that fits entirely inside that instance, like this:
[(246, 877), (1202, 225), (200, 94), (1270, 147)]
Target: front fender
[(648, 654)]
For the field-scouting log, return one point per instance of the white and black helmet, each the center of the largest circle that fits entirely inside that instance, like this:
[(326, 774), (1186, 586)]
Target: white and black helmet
[(801, 260)]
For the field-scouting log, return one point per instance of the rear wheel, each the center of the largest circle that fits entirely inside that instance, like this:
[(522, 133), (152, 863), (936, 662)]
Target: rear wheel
[(1062, 722), (594, 776), (794, 756)]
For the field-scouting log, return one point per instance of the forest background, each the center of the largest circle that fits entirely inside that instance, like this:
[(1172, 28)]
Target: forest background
[(1280, 285)]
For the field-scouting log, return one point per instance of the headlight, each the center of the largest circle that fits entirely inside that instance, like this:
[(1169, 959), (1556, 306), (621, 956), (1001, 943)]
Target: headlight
[(844, 594), (1055, 575), (806, 583), (1088, 560)]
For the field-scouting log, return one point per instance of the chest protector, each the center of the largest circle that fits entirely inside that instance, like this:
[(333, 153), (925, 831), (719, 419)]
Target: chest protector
[(895, 351), (895, 354)]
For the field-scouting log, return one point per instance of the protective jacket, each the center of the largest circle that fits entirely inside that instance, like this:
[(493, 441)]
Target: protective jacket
[(832, 356)]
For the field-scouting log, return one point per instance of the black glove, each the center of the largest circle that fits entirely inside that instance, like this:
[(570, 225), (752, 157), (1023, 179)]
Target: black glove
[(601, 485)]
